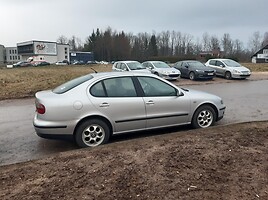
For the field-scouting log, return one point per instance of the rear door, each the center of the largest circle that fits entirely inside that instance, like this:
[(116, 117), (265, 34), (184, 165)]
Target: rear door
[(117, 99)]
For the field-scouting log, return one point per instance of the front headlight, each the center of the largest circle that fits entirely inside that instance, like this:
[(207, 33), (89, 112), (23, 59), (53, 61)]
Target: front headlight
[(236, 71), (198, 70), (165, 72)]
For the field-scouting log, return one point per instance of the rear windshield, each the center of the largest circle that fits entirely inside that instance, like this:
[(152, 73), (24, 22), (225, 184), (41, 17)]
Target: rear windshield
[(71, 84)]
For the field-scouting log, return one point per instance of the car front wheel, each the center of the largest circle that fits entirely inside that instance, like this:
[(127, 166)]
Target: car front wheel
[(92, 133), (192, 76), (228, 75), (204, 117)]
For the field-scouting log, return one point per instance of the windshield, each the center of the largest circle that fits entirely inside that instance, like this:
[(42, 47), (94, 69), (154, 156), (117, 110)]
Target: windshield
[(161, 65), (196, 64), (231, 63), (71, 84), (135, 66)]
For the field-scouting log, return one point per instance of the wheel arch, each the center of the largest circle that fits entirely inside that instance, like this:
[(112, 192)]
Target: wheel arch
[(94, 117), (208, 104)]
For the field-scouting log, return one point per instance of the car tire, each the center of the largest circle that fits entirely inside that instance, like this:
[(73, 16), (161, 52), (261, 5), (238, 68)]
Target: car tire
[(204, 117), (192, 76), (228, 75), (91, 133)]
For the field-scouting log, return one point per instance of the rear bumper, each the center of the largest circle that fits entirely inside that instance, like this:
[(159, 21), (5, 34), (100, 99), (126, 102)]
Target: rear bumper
[(48, 128)]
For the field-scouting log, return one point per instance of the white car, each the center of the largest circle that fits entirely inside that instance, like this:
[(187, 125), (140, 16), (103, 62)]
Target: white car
[(162, 69), (124, 66), (228, 68)]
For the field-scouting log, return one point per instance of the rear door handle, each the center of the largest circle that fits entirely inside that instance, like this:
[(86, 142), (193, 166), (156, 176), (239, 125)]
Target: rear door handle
[(104, 105)]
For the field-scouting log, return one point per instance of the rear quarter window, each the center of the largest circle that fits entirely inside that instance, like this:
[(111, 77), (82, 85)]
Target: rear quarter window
[(71, 84), (212, 62)]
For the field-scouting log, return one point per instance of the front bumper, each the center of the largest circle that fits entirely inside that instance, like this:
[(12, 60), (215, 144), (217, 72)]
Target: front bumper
[(171, 76), (221, 113)]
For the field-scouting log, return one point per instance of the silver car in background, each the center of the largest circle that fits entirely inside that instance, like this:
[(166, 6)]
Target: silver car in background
[(162, 69), (93, 107), (128, 66), (228, 68)]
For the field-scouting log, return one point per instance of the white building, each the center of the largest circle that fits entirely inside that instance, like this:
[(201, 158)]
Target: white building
[(12, 55), (43, 50)]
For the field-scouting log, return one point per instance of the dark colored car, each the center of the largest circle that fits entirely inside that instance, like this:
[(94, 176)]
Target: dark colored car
[(22, 64), (194, 69), (41, 63)]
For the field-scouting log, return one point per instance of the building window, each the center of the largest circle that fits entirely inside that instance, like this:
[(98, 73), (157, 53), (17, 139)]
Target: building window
[(66, 57), (10, 52), (10, 57), (13, 52), (265, 51), (65, 48)]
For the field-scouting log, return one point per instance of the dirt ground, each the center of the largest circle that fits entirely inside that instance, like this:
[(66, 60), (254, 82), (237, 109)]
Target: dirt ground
[(221, 162)]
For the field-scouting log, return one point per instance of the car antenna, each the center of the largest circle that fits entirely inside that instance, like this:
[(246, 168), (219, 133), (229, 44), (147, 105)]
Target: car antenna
[(94, 70)]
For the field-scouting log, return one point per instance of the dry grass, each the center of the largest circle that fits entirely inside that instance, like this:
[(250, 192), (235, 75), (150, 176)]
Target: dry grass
[(25, 82), (257, 67)]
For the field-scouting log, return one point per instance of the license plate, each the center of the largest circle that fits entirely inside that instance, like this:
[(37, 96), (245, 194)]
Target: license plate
[(210, 73)]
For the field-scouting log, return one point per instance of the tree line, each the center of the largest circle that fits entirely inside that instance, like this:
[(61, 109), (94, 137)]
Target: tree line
[(110, 45)]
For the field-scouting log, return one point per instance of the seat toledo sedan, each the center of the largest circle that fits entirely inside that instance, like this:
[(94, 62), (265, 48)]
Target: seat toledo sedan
[(93, 107)]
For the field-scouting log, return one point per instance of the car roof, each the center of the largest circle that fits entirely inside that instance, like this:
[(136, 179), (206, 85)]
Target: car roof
[(120, 74), (220, 59), (126, 61)]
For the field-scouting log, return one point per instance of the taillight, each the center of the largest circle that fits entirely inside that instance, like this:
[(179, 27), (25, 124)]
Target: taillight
[(40, 108)]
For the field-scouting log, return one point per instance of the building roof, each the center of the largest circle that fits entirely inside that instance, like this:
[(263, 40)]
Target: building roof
[(259, 51)]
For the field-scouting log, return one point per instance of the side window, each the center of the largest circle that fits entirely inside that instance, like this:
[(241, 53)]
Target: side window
[(212, 62), (150, 66), (120, 87), (218, 63), (124, 67), (155, 87), (97, 90)]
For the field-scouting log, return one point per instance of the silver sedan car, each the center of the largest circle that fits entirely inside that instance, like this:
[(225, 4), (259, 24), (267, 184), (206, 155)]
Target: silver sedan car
[(93, 107), (162, 69)]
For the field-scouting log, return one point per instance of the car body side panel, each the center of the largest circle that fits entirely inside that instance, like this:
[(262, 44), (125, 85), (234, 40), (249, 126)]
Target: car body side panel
[(125, 113), (166, 111)]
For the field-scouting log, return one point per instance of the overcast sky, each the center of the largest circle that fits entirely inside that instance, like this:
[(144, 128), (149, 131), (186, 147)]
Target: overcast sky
[(24, 20)]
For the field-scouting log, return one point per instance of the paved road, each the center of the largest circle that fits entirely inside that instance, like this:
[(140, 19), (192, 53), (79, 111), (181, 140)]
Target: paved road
[(245, 100)]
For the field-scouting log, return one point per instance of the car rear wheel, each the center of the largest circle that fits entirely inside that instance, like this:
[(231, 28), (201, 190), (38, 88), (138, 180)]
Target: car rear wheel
[(204, 117), (192, 76), (92, 133), (228, 75)]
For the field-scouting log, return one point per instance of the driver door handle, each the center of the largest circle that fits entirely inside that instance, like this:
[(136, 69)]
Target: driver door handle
[(150, 102)]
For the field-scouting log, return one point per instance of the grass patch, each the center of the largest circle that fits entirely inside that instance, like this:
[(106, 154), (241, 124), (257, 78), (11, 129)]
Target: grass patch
[(25, 82)]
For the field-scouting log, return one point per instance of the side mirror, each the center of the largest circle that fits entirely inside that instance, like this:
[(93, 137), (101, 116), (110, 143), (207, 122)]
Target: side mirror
[(221, 66), (186, 66), (180, 93)]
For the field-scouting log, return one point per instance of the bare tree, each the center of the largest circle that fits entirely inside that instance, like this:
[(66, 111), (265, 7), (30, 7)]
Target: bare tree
[(227, 44), (62, 39), (206, 42), (214, 43), (255, 42), (265, 39)]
